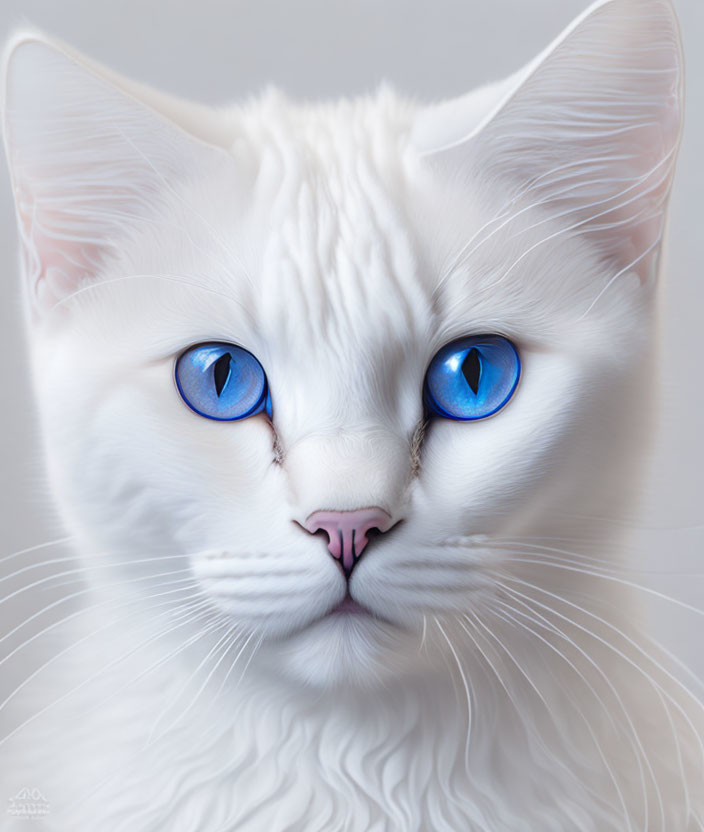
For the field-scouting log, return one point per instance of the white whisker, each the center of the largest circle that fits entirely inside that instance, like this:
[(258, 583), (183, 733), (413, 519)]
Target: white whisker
[(467, 687)]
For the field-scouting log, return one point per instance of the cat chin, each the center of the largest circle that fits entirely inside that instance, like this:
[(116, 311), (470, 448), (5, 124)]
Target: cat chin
[(345, 649)]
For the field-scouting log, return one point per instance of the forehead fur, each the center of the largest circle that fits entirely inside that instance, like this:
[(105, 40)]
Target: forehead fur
[(330, 233), (336, 251)]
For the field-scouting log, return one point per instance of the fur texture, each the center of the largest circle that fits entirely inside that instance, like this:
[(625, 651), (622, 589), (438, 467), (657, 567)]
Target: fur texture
[(502, 680)]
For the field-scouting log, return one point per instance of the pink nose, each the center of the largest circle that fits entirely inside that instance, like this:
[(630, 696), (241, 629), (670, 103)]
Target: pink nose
[(347, 531)]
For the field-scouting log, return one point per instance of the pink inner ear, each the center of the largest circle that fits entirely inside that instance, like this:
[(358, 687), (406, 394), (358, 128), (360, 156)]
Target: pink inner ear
[(55, 259), (643, 250), (54, 267)]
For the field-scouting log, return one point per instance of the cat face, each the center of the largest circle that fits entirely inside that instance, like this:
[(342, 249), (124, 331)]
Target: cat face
[(343, 246)]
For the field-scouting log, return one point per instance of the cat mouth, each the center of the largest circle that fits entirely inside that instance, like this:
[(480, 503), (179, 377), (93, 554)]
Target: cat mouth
[(348, 606)]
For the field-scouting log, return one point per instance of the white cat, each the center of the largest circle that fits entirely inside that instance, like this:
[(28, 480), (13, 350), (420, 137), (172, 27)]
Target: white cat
[(437, 323)]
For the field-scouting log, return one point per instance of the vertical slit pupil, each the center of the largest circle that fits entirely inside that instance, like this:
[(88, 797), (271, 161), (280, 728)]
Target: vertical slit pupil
[(472, 369), (221, 372)]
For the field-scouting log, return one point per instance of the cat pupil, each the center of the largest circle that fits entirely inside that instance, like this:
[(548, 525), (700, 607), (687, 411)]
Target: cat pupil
[(221, 372), (472, 369)]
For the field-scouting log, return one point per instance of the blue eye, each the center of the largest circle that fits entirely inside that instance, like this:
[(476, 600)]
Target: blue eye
[(472, 378), (223, 382)]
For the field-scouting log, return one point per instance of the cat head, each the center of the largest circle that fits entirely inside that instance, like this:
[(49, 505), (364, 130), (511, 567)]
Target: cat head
[(328, 361)]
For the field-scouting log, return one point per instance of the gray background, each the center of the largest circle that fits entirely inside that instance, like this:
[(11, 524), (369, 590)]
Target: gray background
[(215, 50)]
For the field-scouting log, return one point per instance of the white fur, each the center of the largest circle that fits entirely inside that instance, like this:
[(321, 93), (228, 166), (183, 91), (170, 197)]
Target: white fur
[(503, 684)]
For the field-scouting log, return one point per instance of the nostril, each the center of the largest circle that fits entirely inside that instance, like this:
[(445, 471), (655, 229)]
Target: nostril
[(317, 533), (348, 531)]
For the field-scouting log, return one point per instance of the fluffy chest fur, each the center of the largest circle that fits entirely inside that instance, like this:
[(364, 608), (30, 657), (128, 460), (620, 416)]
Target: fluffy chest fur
[(142, 743)]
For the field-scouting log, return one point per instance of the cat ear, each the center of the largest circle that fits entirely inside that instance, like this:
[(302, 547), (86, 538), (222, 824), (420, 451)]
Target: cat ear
[(89, 162), (587, 133)]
